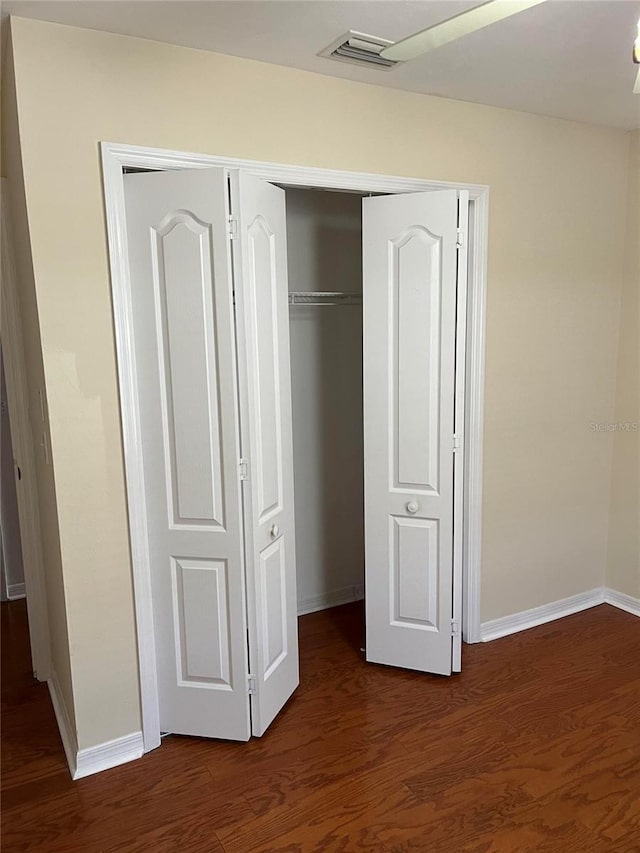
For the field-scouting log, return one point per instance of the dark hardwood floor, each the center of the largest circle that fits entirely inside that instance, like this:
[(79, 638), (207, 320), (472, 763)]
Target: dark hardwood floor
[(534, 748)]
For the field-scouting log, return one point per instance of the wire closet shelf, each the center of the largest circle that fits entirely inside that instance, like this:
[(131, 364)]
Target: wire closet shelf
[(323, 297)]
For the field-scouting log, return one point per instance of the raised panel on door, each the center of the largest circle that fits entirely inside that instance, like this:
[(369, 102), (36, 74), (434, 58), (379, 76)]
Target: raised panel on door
[(273, 585), (260, 265), (261, 287), (414, 545), (201, 602), (189, 368), (185, 358), (409, 294), (415, 342)]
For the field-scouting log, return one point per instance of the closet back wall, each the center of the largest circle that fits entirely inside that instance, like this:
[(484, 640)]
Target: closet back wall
[(324, 247)]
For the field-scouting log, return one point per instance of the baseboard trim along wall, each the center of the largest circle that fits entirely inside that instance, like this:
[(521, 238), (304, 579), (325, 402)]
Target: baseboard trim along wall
[(85, 762), (109, 754), (312, 603), (505, 625), (67, 731), (622, 601), (15, 590)]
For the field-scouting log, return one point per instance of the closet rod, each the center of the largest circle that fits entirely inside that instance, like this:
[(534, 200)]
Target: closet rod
[(323, 297)]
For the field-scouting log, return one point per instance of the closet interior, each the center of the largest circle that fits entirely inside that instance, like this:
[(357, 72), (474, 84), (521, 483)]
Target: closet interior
[(324, 249)]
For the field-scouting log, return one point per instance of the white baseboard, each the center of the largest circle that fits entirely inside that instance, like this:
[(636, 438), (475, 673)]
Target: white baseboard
[(67, 731), (15, 590), (85, 762), (505, 625), (324, 600), (109, 754), (622, 601)]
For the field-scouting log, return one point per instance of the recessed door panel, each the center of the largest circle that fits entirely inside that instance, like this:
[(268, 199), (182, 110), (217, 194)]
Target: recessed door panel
[(409, 296), (182, 303), (262, 294), (414, 567), (273, 588), (183, 273), (201, 618), (415, 285)]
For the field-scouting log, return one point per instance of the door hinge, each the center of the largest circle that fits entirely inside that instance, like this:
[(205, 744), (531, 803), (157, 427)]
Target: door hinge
[(252, 687), (244, 469), (456, 442), (461, 238), (233, 227), (455, 628)]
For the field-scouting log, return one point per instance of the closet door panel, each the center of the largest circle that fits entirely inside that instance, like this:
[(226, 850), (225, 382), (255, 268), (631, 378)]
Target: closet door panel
[(262, 294), (260, 267), (185, 357), (414, 572), (201, 603), (188, 359), (415, 342), (409, 294), (273, 587)]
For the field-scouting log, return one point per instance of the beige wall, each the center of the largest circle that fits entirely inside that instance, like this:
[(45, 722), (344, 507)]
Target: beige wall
[(623, 563), (557, 220), (55, 593)]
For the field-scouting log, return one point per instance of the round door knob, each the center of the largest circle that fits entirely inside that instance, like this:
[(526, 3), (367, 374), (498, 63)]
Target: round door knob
[(412, 507), (274, 531)]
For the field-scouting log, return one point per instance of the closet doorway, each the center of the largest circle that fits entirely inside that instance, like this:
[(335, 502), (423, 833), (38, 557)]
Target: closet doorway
[(420, 502), (324, 250)]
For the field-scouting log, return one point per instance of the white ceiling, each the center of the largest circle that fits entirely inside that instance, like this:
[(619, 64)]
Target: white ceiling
[(565, 58)]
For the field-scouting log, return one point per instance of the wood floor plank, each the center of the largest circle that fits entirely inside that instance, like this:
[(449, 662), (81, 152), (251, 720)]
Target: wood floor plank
[(577, 754), (453, 816), (185, 796), (194, 835), (331, 815), (276, 783), (42, 788), (43, 823), (538, 829), (533, 748), (607, 797)]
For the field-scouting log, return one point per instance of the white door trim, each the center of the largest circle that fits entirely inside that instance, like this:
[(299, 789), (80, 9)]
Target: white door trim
[(115, 158), (26, 490)]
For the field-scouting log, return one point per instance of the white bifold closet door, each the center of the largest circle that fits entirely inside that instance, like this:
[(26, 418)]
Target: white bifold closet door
[(202, 529), (409, 257), (260, 270)]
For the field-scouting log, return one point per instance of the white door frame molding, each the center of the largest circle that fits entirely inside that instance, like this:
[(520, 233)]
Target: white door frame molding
[(23, 451), (117, 157)]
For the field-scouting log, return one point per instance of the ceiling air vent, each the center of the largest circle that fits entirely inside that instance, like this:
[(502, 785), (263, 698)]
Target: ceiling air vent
[(360, 49)]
